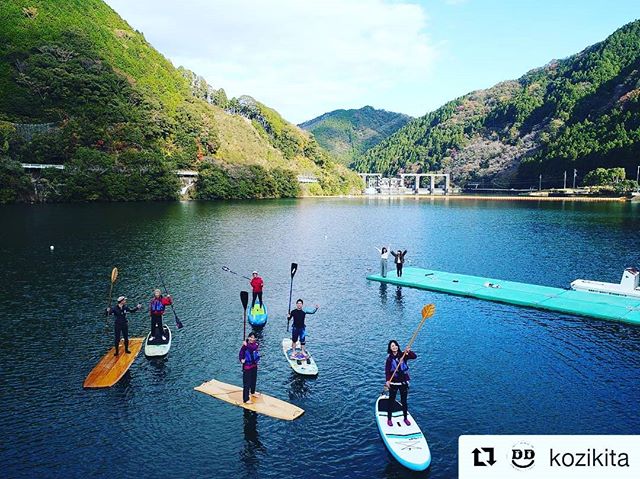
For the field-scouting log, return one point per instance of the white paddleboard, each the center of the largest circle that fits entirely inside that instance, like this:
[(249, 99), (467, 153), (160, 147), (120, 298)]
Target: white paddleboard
[(302, 365), (159, 347), (406, 444)]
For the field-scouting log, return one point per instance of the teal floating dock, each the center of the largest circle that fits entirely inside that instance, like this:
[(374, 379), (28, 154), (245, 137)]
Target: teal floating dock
[(582, 303)]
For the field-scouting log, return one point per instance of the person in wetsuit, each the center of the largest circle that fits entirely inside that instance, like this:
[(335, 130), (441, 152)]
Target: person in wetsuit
[(298, 330), (121, 324)]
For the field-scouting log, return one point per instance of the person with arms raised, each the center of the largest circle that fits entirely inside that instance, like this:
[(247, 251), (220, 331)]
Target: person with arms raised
[(121, 324), (298, 330)]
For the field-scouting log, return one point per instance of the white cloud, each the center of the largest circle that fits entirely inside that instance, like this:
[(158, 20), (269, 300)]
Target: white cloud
[(301, 58)]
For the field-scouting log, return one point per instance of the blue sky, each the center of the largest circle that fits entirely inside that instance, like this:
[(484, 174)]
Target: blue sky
[(305, 58)]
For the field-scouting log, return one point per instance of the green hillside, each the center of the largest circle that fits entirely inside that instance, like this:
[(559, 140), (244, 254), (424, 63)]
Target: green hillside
[(582, 112), (349, 133), (80, 87)]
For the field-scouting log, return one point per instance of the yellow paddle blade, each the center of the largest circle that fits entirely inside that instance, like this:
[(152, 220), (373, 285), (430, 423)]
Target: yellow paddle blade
[(428, 310), (114, 275)]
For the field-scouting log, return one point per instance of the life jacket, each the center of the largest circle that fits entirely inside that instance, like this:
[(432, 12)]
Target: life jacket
[(403, 366), (157, 307), (251, 357)]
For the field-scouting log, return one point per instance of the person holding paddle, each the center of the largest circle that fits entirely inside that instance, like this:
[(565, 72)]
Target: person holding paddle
[(256, 288), (121, 324), (397, 375), (156, 311), (249, 357), (298, 330)]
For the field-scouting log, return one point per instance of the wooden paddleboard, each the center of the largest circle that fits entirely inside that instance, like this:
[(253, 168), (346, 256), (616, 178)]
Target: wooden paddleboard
[(301, 364), (406, 444), (262, 404), (111, 368)]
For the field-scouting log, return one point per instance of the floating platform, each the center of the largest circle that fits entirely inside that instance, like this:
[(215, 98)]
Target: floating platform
[(582, 303)]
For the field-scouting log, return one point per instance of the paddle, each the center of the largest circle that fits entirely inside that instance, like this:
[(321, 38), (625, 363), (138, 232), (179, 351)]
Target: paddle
[(294, 268), (114, 277), (179, 324), (428, 310), (244, 298), (225, 268)]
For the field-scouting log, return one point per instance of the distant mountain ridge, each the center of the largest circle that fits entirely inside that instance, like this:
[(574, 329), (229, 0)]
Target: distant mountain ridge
[(581, 112), (349, 133), (80, 87)]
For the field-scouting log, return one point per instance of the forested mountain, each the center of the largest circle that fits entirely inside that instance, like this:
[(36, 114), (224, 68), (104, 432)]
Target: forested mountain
[(582, 112), (348, 133), (80, 87)]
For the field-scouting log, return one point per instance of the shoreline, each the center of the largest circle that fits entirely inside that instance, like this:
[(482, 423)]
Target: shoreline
[(578, 199)]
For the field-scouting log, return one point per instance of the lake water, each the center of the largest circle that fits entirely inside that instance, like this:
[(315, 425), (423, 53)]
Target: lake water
[(482, 367)]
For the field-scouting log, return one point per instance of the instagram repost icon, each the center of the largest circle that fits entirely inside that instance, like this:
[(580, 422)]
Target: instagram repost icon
[(522, 456)]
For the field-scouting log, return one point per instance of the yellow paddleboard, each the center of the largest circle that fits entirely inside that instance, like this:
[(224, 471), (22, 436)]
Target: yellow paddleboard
[(262, 404), (111, 368)]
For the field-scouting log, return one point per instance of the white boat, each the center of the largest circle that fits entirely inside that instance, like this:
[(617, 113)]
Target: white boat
[(629, 286)]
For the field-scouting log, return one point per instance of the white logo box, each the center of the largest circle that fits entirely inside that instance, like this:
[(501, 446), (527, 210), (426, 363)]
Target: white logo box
[(548, 457)]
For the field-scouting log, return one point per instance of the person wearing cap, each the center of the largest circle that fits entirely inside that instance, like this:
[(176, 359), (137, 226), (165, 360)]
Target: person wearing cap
[(249, 357), (256, 286), (121, 325), (156, 310)]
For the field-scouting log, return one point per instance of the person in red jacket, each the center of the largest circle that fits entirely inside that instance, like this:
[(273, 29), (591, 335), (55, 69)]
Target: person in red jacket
[(256, 286), (156, 310)]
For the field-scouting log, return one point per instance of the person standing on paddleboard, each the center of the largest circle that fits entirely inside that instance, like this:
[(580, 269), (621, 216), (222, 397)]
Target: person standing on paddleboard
[(298, 330), (256, 287), (249, 357), (399, 260), (384, 256), (121, 324), (156, 310), (397, 361)]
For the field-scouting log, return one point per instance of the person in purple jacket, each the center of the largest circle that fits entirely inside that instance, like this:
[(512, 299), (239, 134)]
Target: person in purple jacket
[(249, 357), (400, 381)]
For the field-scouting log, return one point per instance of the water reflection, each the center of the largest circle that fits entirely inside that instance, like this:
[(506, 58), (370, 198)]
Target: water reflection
[(249, 456), (383, 293)]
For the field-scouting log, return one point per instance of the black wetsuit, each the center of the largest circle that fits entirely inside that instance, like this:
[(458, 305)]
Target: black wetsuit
[(121, 324)]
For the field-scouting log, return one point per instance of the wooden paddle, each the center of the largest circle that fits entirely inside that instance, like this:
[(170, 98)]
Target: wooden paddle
[(179, 324), (114, 277), (428, 310), (294, 268), (244, 298)]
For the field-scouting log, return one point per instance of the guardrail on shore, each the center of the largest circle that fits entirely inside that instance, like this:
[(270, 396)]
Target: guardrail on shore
[(180, 173)]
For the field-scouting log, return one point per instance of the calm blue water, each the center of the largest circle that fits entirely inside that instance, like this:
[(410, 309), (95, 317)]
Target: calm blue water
[(482, 367)]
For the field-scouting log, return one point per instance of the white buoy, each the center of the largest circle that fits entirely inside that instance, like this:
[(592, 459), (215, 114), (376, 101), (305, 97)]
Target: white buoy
[(51, 247)]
